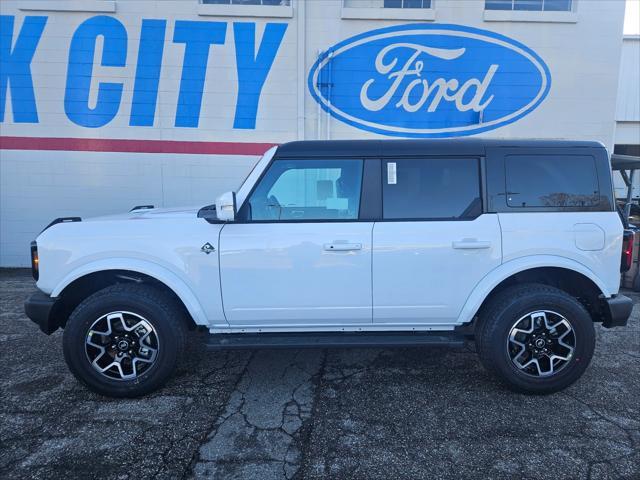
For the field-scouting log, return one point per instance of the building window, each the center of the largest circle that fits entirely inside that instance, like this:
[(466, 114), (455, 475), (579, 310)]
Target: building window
[(387, 3), (407, 3), (530, 5), (273, 3), (246, 8), (94, 6)]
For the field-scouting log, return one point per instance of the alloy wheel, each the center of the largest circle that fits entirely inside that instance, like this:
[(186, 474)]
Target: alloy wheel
[(122, 345), (541, 343)]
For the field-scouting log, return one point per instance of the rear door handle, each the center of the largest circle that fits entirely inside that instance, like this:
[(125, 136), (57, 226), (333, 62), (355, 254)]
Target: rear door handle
[(470, 244), (342, 247)]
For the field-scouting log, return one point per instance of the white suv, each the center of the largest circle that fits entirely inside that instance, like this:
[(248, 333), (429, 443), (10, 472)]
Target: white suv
[(513, 244)]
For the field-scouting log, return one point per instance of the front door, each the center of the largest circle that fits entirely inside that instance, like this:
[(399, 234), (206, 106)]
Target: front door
[(298, 256), (433, 244)]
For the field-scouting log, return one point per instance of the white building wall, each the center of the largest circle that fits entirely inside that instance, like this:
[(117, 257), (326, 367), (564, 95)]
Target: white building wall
[(91, 171)]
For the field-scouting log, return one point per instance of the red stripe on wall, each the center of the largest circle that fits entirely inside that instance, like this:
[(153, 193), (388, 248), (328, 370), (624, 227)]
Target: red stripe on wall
[(133, 146)]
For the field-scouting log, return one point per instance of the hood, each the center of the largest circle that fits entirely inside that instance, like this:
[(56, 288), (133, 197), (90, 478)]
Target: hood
[(150, 214)]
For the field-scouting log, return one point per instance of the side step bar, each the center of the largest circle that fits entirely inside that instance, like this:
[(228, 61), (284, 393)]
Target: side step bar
[(232, 341)]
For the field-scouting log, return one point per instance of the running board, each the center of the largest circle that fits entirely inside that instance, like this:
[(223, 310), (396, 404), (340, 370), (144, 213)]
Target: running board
[(232, 341)]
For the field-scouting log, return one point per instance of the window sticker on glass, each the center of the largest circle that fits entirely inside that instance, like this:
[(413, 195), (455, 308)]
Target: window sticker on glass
[(392, 178)]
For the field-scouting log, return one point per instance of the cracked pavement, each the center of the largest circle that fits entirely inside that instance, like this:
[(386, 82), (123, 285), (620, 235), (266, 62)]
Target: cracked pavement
[(278, 414)]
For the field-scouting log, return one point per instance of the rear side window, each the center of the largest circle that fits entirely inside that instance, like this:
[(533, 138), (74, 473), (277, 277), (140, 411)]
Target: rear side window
[(551, 181), (431, 189)]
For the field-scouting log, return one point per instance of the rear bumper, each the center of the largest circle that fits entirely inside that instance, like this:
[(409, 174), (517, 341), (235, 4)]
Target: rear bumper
[(617, 310), (39, 307)]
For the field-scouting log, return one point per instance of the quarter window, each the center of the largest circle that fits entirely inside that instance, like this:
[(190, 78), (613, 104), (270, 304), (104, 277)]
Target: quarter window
[(446, 189), (308, 190), (551, 181), (530, 5)]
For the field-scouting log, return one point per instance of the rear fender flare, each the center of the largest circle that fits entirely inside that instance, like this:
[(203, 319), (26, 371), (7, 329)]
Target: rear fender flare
[(508, 269)]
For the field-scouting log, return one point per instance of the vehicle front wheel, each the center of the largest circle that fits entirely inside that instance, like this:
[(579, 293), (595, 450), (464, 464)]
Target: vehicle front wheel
[(535, 338), (124, 340)]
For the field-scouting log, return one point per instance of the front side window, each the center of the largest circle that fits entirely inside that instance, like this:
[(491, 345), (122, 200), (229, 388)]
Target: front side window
[(387, 3), (308, 190), (551, 181), (431, 189), (530, 5)]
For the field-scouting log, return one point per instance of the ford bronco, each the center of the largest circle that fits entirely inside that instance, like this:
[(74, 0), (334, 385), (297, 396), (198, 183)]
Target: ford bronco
[(514, 245)]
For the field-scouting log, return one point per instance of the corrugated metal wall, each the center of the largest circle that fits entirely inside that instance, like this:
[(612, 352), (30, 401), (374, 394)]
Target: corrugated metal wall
[(628, 104)]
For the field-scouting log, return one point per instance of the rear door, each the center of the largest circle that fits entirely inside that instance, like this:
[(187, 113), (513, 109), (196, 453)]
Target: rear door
[(434, 243)]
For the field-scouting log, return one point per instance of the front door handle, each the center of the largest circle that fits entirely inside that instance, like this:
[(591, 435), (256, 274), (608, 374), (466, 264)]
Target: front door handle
[(470, 244), (342, 247)]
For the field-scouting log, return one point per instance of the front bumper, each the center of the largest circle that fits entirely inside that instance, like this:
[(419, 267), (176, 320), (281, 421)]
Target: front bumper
[(40, 308), (617, 310)]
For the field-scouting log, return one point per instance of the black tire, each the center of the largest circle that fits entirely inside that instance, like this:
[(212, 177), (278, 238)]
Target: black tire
[(504, 310), (155, 307)]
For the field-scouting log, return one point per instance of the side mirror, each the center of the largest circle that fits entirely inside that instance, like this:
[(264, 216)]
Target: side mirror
[(226, 207)]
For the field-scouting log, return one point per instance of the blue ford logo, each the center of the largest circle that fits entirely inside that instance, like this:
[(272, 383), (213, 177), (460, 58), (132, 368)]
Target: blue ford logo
[(429, 80)]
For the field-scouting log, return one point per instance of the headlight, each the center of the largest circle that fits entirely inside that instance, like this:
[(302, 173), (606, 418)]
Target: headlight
[(34, 260)]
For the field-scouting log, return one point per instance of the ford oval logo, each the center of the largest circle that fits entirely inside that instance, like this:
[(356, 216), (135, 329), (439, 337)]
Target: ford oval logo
[(429, 80)]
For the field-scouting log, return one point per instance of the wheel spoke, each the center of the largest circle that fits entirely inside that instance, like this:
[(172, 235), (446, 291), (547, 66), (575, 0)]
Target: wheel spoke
[(103, 369), (533, 361), (90, 337), (112, 319), (562, 342)]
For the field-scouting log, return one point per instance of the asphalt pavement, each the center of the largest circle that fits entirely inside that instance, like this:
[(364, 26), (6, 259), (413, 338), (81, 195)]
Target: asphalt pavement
[(339, 414)]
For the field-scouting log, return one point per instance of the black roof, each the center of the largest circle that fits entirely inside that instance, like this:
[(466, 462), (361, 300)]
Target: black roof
[(377, 148)]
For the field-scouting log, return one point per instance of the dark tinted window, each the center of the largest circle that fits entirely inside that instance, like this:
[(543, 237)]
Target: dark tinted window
[(551, 181), (431, 188)]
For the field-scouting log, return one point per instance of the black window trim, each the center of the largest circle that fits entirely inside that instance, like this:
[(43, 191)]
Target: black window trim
[(492, 172)]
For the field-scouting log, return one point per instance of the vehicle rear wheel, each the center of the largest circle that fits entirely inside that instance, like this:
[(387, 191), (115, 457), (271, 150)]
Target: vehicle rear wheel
[(535, 338), (124, 341)]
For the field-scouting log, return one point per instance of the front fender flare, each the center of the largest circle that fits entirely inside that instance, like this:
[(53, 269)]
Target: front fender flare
[(154, 270), (506, 270)]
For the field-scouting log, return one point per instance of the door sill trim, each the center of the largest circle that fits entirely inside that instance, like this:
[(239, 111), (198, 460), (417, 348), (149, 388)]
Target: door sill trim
[(383, 327)]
